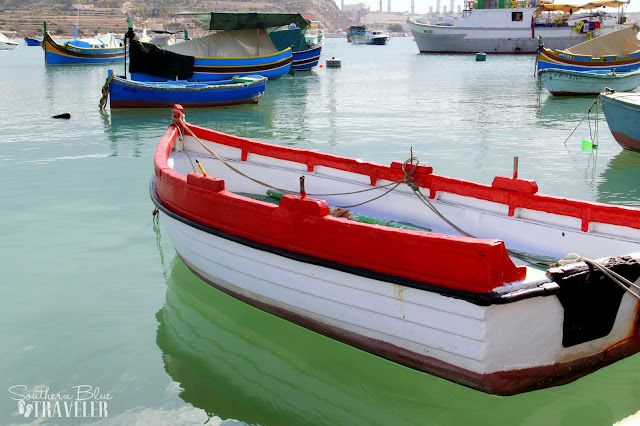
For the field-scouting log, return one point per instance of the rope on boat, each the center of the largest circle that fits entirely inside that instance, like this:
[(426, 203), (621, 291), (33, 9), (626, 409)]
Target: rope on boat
[(178, 117), (183, 125), (528, 258), (613, 276), (105, 91)]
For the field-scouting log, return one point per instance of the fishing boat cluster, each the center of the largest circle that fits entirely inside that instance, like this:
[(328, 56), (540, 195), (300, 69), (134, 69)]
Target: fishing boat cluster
[(496, 287)]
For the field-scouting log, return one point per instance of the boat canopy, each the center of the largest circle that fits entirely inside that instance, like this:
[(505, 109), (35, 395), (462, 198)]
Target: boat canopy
[(574, 7), (227, 44), (620, 42), (148, 58), (289, 37), (253, 20)]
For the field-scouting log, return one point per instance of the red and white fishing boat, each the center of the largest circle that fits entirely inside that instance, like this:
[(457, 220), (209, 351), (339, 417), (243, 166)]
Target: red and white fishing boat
[(418, 268)]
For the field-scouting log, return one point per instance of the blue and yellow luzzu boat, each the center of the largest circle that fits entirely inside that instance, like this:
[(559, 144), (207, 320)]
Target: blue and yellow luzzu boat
[(99, 50), (305, 55), (618, 50), (240, 47)]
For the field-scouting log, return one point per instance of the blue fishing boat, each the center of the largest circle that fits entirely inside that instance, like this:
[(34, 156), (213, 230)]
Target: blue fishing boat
[(622, 111), (357, 34), (102, 49), (241, 46), (305, 55), (33, 41), (125, 93), (306, 59)]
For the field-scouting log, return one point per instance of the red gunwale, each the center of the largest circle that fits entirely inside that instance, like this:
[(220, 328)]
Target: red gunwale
[(430, 258)]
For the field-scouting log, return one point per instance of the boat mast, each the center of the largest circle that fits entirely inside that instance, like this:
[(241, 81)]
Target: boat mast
[(75, 27)]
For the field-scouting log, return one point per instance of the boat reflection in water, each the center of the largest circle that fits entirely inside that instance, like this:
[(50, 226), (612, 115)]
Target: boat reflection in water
[(235, 361), (619, 181)]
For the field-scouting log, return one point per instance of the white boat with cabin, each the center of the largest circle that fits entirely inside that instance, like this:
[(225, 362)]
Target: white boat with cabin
[(503, 26)]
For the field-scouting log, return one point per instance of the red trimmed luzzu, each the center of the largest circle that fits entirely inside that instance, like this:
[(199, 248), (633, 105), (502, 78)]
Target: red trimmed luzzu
[(443, 275)]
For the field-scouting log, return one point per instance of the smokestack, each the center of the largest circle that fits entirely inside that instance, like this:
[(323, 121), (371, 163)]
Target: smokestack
[(380, 6), (389, 6), (451, 8), (413, 9), (438, 6)]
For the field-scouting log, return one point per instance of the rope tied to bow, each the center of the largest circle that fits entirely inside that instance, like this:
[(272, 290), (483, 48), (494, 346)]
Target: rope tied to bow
[(105, 91)]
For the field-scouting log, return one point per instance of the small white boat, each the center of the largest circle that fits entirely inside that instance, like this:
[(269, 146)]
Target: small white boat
[(560, 82), (378, 37), (6, 43), (442, 275)]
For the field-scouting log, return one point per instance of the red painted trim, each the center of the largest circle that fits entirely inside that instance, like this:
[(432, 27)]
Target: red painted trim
[(526, 186), (430, 258)]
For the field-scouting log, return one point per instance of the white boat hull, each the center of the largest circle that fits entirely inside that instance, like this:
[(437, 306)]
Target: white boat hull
[(10, 45), (567, 83), (447, 305), (493, 31), (432, 332)]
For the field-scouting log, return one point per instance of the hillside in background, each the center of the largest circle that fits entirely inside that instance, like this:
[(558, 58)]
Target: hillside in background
[(101, 16)]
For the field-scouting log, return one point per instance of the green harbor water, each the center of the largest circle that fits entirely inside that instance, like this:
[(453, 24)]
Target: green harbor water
[(93, 295)]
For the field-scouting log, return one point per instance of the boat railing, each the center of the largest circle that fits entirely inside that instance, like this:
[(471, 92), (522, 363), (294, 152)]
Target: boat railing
[(501, 4)]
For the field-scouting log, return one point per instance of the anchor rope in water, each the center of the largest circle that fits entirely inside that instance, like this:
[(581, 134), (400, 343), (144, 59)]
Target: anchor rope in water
[(612, 275), (596, 103), (586, 115)]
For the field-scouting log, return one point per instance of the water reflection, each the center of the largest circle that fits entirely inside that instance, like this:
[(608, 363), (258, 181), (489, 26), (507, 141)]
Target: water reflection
[(234, 361), (618, 183), (131, 132), (552, 110)]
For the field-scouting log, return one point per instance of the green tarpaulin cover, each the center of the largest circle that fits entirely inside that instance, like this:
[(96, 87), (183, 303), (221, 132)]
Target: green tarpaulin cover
[(249, 20)]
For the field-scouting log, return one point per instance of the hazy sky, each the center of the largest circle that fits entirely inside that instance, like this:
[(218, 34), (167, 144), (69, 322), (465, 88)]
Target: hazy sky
[(422, 6)]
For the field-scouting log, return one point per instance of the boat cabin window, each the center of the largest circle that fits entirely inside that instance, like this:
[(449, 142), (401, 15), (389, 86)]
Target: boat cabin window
[(516, 16)]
